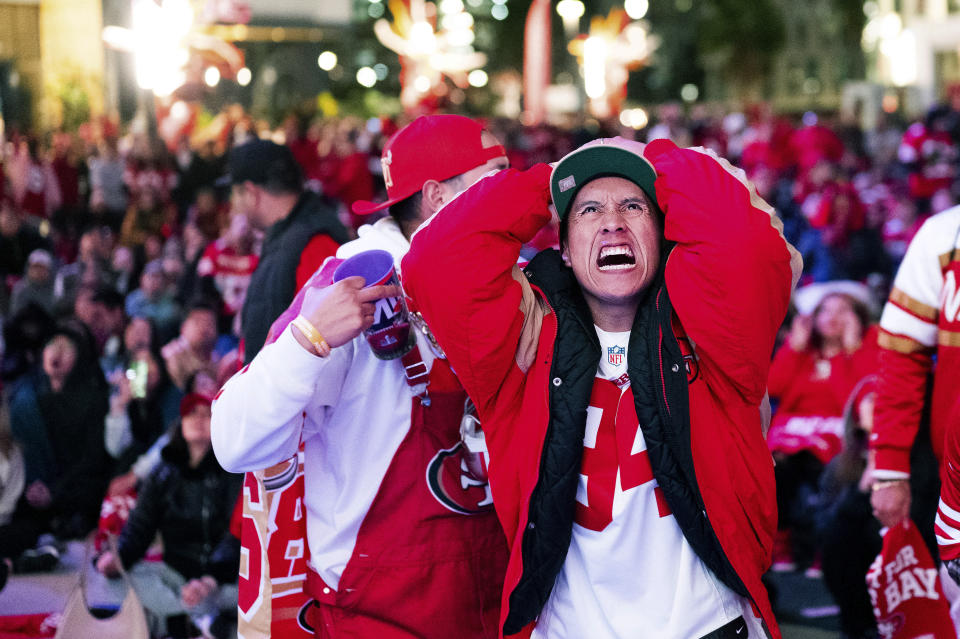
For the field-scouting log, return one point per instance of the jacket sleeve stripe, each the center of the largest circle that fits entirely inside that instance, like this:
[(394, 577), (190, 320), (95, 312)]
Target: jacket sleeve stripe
[(901, 343), (896, 321), (947, 534), (758, 203), (943, 508), (914, 307), (948, 338)]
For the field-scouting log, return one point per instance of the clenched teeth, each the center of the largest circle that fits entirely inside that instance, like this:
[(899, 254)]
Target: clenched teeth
[(616, 258), (607, 251)]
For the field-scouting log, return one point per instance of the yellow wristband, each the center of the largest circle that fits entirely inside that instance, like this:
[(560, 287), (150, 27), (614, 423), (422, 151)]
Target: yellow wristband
[(880, 484), (312, 334)]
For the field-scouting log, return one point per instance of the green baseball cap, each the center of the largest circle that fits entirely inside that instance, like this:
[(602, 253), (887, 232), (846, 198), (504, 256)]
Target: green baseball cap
[(605, 157)]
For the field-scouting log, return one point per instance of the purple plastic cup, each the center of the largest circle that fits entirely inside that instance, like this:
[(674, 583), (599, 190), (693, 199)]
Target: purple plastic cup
[(389, 336)]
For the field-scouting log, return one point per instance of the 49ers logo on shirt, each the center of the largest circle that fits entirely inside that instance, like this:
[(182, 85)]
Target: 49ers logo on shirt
[(452, 483), (612, 453)]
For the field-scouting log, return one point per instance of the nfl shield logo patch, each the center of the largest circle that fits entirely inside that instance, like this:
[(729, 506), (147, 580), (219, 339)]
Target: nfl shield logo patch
[(615, 354)]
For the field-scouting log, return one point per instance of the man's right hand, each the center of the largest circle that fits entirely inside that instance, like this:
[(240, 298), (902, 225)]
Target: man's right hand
[(342, 310), (891, 502)]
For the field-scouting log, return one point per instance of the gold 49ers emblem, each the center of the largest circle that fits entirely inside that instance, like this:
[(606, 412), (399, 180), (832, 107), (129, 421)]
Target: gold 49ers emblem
[(452, 483), (385, 162)]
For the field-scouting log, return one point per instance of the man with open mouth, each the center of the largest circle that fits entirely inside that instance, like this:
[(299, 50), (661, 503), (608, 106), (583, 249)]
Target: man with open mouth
[(621, 383)]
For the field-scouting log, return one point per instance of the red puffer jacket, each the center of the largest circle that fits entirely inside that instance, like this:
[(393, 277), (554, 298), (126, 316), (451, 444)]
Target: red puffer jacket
[(729, 279)]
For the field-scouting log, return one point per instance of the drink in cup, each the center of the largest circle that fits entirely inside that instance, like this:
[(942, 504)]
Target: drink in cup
[(390, 336)]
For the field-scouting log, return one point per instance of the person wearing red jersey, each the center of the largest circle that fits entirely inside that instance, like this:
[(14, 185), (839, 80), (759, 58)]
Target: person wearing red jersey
[(919, 336), (620, 391), (231, 260)]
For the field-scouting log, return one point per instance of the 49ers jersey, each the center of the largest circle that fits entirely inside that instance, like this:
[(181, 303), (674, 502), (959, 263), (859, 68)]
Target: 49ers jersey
[(629, 571), (401, 537)]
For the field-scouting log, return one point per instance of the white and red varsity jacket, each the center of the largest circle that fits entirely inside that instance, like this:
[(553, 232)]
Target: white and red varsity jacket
[(920, 325), (400, 541)]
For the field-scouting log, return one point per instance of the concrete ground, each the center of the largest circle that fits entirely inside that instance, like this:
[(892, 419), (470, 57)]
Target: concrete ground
[(804, 607)]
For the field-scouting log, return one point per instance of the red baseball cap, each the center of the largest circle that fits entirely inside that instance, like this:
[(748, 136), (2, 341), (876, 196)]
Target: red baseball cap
[(191, 400), (432, 147)]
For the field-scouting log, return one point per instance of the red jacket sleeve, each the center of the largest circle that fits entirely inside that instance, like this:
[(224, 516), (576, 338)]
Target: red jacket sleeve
[(901, 393), (731, 274), (459, 274), (947, 523), (319, 248)]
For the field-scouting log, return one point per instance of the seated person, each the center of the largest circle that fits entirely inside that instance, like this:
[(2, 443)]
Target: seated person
[(56, 416), (188, 499)]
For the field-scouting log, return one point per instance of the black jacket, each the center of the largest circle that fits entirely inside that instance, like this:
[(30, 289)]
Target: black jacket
[(274, 283), (667, 434), (191, 509)]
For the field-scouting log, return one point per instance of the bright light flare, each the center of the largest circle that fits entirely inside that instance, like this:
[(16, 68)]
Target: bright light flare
[(570, 9), (327, 60), (451, 6), (366, 77), (636, 9), (478, 78), (211, 76), (595, 66), (422, 84), (244, 76), (422, 38), (634, 118)]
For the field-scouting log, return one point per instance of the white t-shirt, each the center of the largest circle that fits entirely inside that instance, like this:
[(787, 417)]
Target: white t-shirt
[(629, 571)]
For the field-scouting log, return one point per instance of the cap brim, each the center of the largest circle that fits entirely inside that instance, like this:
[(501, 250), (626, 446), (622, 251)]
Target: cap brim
[(588, 163), (363, 207)]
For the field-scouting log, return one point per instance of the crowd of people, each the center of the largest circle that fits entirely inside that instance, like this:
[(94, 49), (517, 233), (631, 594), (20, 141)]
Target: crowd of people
[(137, 278)]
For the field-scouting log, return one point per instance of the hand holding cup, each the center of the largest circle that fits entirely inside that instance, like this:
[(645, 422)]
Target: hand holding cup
[(342, 310)]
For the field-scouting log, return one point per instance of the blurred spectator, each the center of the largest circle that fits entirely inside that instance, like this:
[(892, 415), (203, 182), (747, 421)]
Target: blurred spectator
[(56, 414), (40, 196), (301, 228), (24, 336), (207, 214), (11, 488), (930, 154), (811, 377), (230, 262), (815, 143), (850, 536), (91, 269), (124, 266), (188, 500), (17, 241), (138, 407), (144, 218), (196, 171), (303, 148), (108, 195), (66, 169), (192, 351), (154, 300), (347, 173), (36, 287), (11, 470)]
